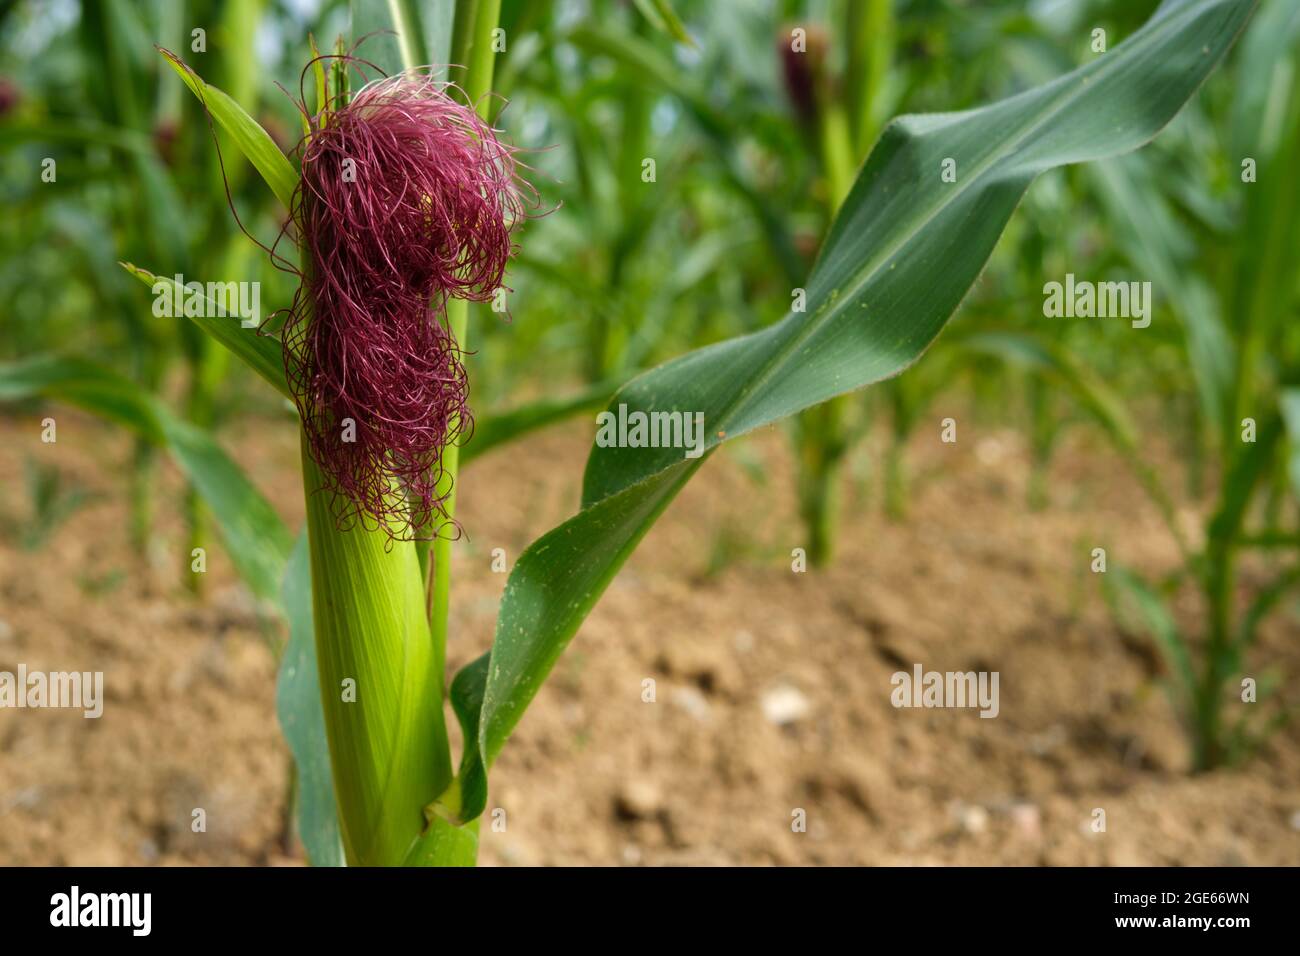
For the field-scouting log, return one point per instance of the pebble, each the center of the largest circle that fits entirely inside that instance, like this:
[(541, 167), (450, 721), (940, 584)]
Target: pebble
[(784, 705), (1026, 819), (638, 800), (970, 817), (691, 700)]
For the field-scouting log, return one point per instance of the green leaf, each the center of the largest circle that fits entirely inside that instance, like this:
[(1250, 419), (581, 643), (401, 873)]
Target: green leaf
[(298, 705), (255, 537), (1146, 228), (642, 60), (467, 795), (1121, 583), (253, 141), (663, 17), (493, 430), (1246, 470), (260, 352), (252, 531), (402, 34), (902, 253), (84, 384), (1290, 404), (445, 844)]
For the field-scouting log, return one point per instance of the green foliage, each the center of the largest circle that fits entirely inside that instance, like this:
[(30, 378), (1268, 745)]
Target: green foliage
[(253, 141), (253, 533), (894, 242), (52, 500), (302, 718)]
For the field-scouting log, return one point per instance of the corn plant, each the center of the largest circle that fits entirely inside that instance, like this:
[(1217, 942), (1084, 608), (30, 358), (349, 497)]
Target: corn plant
[(1233, 337), (155, 161), (363, 691)]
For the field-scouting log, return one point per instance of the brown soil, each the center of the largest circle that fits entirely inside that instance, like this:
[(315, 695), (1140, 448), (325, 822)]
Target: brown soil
[(708, 608)]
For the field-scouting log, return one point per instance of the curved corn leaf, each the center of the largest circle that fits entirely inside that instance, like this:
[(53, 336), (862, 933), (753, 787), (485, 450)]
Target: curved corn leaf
[(902, 253), (84, 384), (253, 141), (256, 538), (467, 795), (302, 718), (260, 352)]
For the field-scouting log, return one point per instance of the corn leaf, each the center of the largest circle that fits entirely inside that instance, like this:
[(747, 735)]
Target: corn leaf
[(445, 844), (643, 60), (1126, 591), (253, 141), (1290, 405), (302, 718), (402, 34), (255, 537), (84, 384), (260, 352), (900, 256), (663, 17)]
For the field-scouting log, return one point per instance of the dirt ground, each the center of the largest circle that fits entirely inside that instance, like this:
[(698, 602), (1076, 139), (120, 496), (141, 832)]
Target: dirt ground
[(772, 688)]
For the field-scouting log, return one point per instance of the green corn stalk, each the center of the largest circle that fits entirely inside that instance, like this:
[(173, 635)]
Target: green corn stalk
[(382, 631), (380, 680), (845, 128)]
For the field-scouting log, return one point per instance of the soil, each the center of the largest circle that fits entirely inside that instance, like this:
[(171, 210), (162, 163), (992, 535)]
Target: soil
[(771, 687)]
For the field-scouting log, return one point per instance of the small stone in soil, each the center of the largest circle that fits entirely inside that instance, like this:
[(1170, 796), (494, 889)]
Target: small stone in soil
[(784, 705), (693, 702), (638, 800)]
